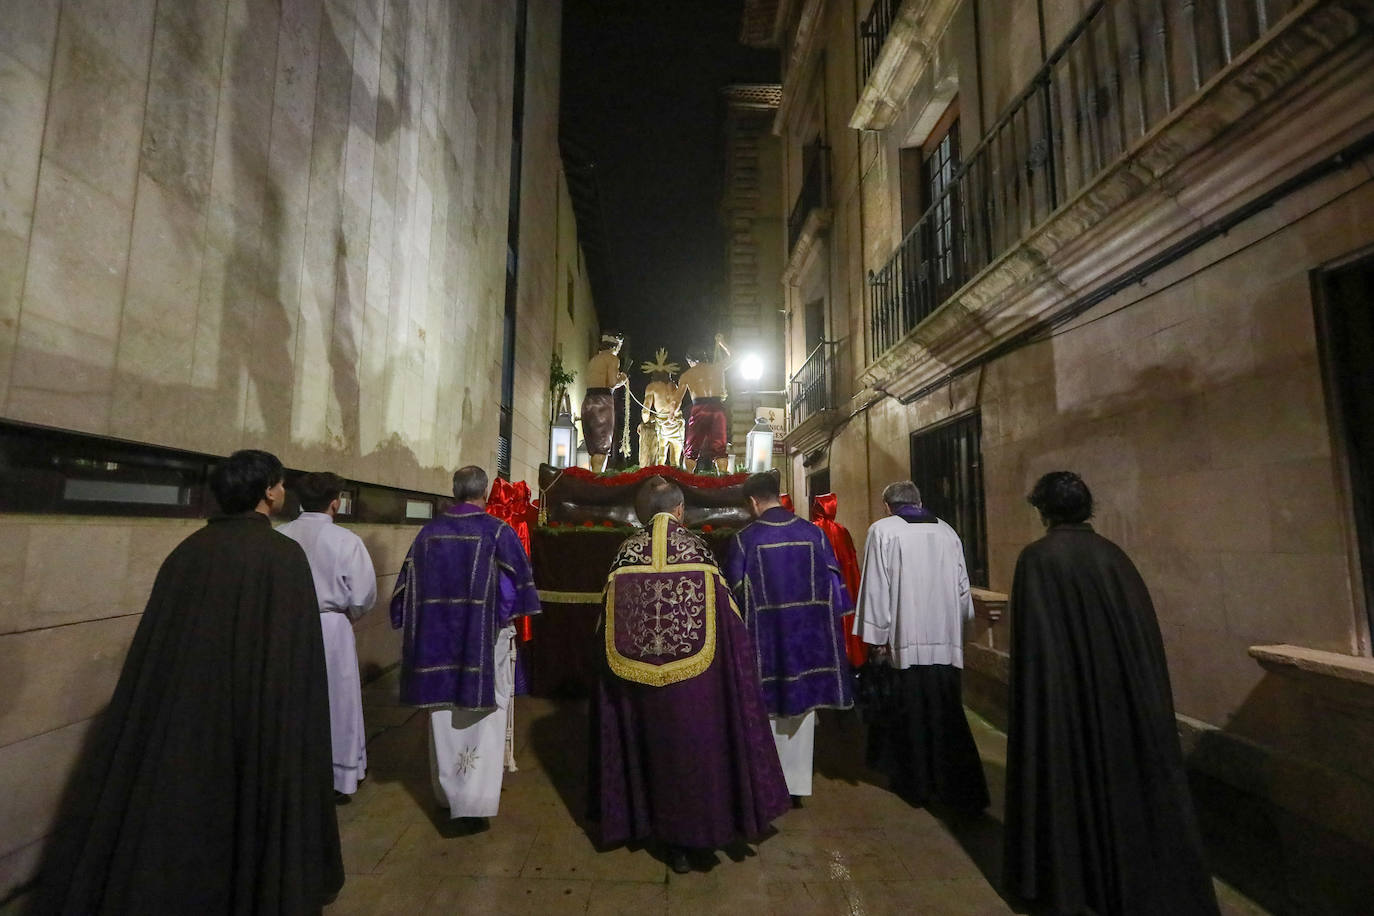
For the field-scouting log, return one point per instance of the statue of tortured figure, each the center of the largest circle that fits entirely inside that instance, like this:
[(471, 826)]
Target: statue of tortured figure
[(660, 435), (708, 427), (598, 404)]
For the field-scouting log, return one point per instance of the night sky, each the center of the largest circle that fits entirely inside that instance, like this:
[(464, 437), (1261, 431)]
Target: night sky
[(641, 95)]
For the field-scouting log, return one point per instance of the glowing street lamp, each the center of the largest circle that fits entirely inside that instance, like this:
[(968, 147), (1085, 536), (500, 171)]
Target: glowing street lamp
[(563, 437), (758, 446), (751, 368)]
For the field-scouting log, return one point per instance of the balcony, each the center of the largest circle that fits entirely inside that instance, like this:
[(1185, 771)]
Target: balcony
[(812, 399), (899, 41), (873, 33), (1135, 89)]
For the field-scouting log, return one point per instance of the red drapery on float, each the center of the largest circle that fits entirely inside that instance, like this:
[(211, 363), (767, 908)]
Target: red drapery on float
[(787, 503), (823, 510), (510, 502), (677, 475)]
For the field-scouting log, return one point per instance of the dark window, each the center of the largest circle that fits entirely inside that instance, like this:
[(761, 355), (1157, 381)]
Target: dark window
[(572, 292), (1345, 324), (817, 484), (814, 327), (49, 471), (942, 228), (947, 467)]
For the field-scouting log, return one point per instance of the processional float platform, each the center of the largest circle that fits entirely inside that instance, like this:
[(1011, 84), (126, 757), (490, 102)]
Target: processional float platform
[(584, 518)]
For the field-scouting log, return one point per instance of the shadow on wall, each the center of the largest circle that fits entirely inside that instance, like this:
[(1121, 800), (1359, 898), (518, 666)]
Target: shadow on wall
[(1293, 761), (243, 388), (255, 355)]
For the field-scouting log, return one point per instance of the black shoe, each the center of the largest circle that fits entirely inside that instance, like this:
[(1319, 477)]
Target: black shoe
[(796, 801), (677, 860), (341, 798)]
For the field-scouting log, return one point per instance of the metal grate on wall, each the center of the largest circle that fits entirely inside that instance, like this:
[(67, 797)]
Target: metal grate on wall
[(947, 467)]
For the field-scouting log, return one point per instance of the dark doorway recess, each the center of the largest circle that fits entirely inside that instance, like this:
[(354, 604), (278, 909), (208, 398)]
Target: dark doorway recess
[(817, 484), (947, 467), (1345, 330)]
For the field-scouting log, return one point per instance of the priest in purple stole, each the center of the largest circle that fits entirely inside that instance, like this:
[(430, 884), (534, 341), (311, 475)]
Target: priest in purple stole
[(680, 748), (789, 587), (464, 582)]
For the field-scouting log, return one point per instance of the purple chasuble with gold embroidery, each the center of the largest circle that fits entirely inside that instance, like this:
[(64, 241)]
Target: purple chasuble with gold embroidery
[(789, 588), (449, 604), (681, 750)]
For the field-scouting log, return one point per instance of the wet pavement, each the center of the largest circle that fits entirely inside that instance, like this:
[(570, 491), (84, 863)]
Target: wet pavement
[(853, 848)]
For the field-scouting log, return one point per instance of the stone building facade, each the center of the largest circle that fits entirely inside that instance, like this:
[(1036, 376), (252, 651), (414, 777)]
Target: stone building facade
[(751, 208), (1128, 239), (252, 223)]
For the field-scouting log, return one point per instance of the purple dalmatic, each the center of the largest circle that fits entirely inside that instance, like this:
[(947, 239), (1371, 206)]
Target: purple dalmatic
[(464, 579), (681, 749), (789, 587)]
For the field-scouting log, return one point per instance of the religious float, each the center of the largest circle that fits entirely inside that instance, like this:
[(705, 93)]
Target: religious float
[(582, 519)]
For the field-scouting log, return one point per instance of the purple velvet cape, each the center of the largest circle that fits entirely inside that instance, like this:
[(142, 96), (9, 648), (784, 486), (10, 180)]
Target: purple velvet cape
[(691, 763), (449, 604), (791, 592)]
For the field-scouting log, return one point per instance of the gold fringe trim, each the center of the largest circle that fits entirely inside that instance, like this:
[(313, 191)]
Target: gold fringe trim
[(556, 597)]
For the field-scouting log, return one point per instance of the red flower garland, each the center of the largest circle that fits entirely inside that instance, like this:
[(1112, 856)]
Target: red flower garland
[(675, 474)]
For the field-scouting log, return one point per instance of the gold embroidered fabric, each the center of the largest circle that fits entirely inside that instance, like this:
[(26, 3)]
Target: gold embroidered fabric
[(661, 606)]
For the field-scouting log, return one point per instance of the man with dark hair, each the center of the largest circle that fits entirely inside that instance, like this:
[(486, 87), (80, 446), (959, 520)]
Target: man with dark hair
[(346, 587), (213, 756), (598, 403), (1099, 817), (462, 585), (913, 600), (680, 749), (787, 582)]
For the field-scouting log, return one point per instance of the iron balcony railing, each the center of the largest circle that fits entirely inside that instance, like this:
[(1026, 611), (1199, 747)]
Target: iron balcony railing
[(873, 33), (1123, 69), (812, 388), (814, 193)]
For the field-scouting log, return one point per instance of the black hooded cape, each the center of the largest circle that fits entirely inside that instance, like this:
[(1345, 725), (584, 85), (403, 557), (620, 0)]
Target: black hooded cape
[(215, 787), (1099, 816)]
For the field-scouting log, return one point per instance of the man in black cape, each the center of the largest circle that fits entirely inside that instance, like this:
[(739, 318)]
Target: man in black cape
[(1099, 817), (213, 779)]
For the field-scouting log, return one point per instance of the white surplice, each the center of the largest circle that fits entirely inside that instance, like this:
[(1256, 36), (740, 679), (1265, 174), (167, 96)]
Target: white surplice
[(914, 595), (467, 748), (346, 586), (795, 737)]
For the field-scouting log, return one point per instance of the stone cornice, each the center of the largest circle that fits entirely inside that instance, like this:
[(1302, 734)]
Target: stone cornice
[(801, 62), (1290, 99), (817, 224), (813, 431), (1286, 659), (907, 51)]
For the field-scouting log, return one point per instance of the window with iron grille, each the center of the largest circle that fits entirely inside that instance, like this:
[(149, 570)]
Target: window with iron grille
[(943, 242), (947, 467)]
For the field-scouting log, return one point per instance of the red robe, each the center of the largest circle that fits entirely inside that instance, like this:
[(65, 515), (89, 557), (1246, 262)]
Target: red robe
[(510, 502), (823, 510)]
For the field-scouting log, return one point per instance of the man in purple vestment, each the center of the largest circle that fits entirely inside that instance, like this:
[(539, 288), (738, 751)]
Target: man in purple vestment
[(788, 584), (680, 747), (463, 583)]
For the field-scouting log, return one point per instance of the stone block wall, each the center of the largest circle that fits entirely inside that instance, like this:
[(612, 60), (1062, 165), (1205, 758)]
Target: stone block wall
[(247, 223), (250, 222)]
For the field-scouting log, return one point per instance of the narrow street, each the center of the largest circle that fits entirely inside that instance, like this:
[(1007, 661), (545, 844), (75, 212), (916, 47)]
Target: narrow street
[(853, 848)]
